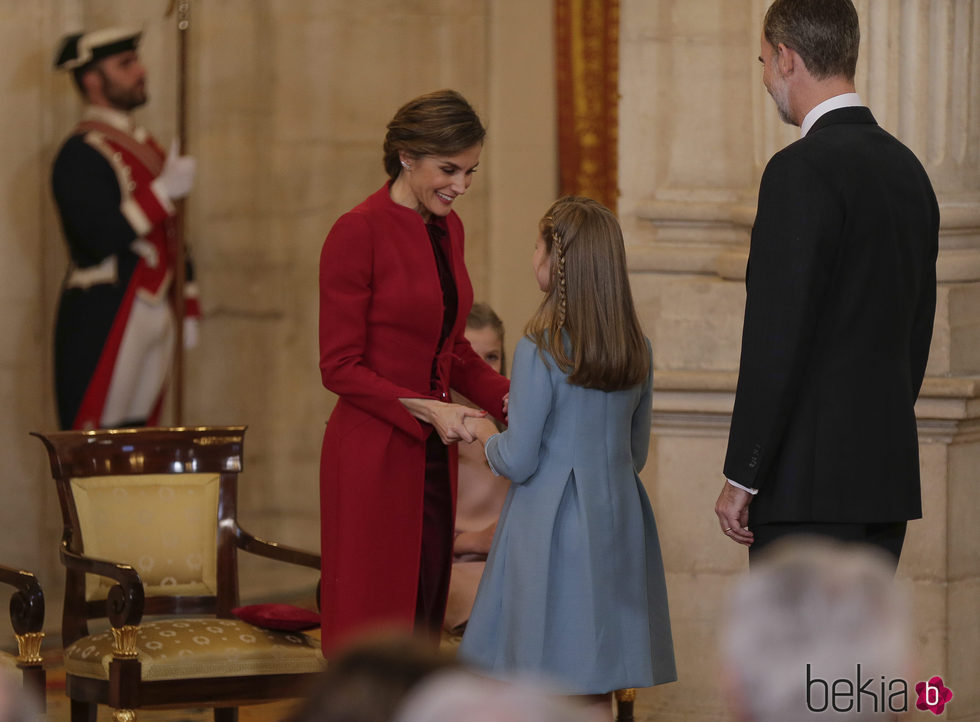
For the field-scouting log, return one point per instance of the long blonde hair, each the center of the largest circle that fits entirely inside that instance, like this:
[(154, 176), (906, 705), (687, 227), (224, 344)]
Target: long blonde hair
[(589, 299)]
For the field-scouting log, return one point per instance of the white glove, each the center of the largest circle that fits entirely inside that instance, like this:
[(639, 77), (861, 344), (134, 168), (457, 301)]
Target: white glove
[(177, 177)]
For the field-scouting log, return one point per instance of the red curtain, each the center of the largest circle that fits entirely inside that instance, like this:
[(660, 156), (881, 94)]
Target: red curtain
[(587, 46)]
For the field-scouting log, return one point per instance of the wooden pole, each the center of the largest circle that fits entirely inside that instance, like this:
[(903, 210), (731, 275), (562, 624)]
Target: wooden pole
[(183, 43)]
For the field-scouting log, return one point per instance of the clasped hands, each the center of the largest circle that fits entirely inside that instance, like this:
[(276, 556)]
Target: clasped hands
[(453, 422)]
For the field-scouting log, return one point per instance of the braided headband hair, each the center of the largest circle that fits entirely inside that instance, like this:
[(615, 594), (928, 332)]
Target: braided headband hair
[(558, 248), (556, 225)]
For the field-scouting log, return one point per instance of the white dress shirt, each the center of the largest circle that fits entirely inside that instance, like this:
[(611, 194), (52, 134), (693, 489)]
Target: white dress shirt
[(844, 100)]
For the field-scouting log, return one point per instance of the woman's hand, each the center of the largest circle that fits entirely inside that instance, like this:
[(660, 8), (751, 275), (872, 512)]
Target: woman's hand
[(448, 420)]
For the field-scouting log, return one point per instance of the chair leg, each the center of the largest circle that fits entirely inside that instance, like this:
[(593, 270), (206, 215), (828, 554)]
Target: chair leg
[(83, 711), (624, 704), (35, 681), (226, 714)]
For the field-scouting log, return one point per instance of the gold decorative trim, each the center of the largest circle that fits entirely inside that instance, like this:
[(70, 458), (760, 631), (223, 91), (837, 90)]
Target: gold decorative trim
[(29, 647), (123, 715), (587, 70), (124, 642), (626, 695), (217, 440)]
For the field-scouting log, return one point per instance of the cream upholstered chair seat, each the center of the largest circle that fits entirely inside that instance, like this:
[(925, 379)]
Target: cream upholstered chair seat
[(193, 648)]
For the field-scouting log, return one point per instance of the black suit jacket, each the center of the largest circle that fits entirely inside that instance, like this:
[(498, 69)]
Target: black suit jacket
[(841, 295)]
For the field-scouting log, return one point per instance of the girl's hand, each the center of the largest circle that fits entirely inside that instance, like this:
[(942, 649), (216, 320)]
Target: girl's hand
[(448, 420), (481, 429), (506, 403)]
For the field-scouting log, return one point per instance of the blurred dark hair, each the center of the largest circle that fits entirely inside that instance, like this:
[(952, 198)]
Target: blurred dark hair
[(368, 681)]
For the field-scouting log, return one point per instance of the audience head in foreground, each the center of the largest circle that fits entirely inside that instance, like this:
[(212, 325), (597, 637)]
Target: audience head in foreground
[(814, 612), (460, 695), (368, 681)]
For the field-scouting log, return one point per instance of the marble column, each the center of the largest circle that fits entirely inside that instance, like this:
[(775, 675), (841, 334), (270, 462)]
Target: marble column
[(696, 130)]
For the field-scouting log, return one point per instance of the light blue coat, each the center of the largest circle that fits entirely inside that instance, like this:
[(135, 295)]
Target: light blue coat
[(574, 585)]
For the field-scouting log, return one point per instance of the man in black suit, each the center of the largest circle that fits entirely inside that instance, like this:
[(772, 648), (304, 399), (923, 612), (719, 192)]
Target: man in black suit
[(840, 300)]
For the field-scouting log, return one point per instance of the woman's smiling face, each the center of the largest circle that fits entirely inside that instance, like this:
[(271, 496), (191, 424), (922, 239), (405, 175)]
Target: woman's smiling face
[(435, 181)]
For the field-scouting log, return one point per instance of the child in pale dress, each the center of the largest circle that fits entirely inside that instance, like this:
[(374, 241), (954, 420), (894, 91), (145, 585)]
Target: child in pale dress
[(480, 493), (574, 587)]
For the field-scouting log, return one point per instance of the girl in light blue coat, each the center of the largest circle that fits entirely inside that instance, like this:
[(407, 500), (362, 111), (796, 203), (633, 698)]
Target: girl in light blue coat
[(574, 585)]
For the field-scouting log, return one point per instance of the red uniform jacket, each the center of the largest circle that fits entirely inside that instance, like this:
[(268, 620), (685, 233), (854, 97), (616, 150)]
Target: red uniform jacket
[(380, 320)]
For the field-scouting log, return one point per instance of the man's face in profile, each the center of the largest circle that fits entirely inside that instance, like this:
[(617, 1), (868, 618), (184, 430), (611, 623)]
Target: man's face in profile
[(123, 80), (775, 81)]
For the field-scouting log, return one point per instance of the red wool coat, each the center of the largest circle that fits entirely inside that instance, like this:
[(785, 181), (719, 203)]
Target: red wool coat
[(380, 321)]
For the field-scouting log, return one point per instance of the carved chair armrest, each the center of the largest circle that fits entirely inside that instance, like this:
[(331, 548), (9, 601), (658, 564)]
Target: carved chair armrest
[(273, 550), (27, 603), (124, 603)]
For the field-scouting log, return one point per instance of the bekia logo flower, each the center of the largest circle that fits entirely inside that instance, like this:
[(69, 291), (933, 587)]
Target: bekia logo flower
[(933, 695)]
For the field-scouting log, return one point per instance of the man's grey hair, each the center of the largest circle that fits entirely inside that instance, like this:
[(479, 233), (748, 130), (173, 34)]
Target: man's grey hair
[(825, 33), (819, 603)]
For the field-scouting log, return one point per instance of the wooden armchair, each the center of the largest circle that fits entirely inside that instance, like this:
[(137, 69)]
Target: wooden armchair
[(27, 619), (150, 528)]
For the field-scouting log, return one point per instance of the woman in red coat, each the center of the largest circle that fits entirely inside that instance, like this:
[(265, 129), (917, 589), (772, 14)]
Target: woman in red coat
[(394, 297)]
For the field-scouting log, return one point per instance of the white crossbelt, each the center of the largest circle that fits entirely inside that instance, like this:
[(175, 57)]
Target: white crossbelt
[(108, 270), (105, 272)]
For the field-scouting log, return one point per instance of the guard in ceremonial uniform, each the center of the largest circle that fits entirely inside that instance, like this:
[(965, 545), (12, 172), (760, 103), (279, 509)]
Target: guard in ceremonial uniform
[(114, 187)]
